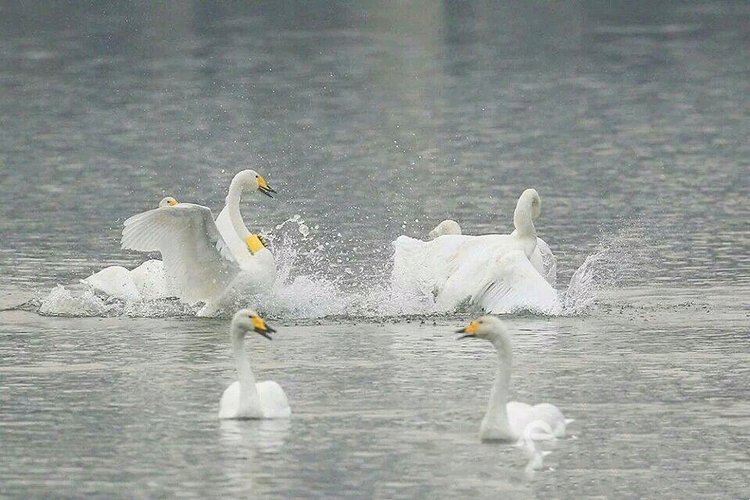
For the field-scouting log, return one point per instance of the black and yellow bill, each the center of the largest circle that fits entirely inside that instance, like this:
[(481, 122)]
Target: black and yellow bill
[(470, 330), (263, 186), (261, 327)]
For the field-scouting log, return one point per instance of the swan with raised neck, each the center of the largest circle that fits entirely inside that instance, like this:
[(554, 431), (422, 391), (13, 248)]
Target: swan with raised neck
[(246, 180), (504, 420), (247, 398), (528, 208)]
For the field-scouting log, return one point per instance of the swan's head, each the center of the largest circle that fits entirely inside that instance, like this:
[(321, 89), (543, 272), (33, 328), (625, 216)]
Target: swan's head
[(448, 226), (247, 320), (168, 202), (252, 180), (488, 328), (530, 200)]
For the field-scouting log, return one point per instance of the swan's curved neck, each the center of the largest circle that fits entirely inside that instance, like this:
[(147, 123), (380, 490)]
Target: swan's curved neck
[(523, 220), (497, 410), (248, 392), (232, 205)]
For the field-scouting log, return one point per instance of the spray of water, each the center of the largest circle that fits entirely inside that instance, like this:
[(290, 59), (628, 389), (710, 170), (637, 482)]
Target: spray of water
[(304, 287), (620, 258)]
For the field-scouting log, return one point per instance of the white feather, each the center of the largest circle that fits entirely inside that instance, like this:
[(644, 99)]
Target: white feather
[(190, 245), (514, 284)]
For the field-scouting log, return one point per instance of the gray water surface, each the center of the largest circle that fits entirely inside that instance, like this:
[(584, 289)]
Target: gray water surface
[(630, 119)]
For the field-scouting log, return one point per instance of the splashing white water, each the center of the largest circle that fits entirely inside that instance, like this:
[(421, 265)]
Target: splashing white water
[(304, 288), (618, 258)]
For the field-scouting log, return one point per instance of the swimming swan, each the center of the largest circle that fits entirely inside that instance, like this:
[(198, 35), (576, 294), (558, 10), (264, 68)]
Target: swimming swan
[(200, 263), (229, 222), (453, 268), (246, 398), (506, 420)]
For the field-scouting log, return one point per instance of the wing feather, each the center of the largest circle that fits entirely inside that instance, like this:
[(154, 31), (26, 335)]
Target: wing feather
[(514, 284), (187, 238)]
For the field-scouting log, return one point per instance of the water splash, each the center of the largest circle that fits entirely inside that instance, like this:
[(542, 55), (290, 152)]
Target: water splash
[(618, 259), (305, 289)]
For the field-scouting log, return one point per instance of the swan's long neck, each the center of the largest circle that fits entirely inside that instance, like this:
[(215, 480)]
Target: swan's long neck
[(525, 231), (248, 393), (523, 220), (497, 410), (232, 205)]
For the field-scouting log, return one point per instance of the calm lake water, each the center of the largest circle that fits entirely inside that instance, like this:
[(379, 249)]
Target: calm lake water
[(630, 119)]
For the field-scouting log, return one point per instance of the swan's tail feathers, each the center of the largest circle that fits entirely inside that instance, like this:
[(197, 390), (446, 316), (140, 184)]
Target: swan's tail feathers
[(545, 453), (569, 421), (513, 284)]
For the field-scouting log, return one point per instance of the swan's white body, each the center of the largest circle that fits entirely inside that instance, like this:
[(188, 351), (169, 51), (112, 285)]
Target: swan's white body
[(247, 398), (499, 272), (145, 282), (201, 262), (506, 420), (115, 281)]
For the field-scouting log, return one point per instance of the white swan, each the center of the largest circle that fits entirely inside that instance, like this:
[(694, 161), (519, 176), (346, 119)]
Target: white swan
[(506, 420), (494, 270), (200, 263), (229, 222), (246, 398)]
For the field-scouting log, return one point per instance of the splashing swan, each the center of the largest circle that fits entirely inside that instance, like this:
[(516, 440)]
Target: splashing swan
[(506, 420), (205, 259), (499, 272), (246, 398)]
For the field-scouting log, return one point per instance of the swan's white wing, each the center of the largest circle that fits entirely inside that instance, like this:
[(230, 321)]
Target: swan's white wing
[(187, 238), (273, 400), (552, 415), (424, 266), (513, 284)]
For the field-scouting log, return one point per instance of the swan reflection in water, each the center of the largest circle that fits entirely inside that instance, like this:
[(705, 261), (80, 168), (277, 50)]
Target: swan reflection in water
[(262, 436)]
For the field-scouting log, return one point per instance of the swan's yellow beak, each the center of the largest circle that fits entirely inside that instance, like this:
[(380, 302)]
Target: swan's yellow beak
[(470, 330), (261, 326), (172, 202), (263, 186)]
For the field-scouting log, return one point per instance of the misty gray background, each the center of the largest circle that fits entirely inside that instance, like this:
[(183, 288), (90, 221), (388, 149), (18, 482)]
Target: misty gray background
[(372, 120)]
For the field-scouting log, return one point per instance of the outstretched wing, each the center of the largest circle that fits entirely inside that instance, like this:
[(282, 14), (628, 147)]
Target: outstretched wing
[(190, 245), (513, 284)]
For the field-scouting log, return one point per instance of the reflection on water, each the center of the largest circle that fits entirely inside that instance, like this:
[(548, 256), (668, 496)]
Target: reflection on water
[(373, 120), (263, 436), (655, 382)]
